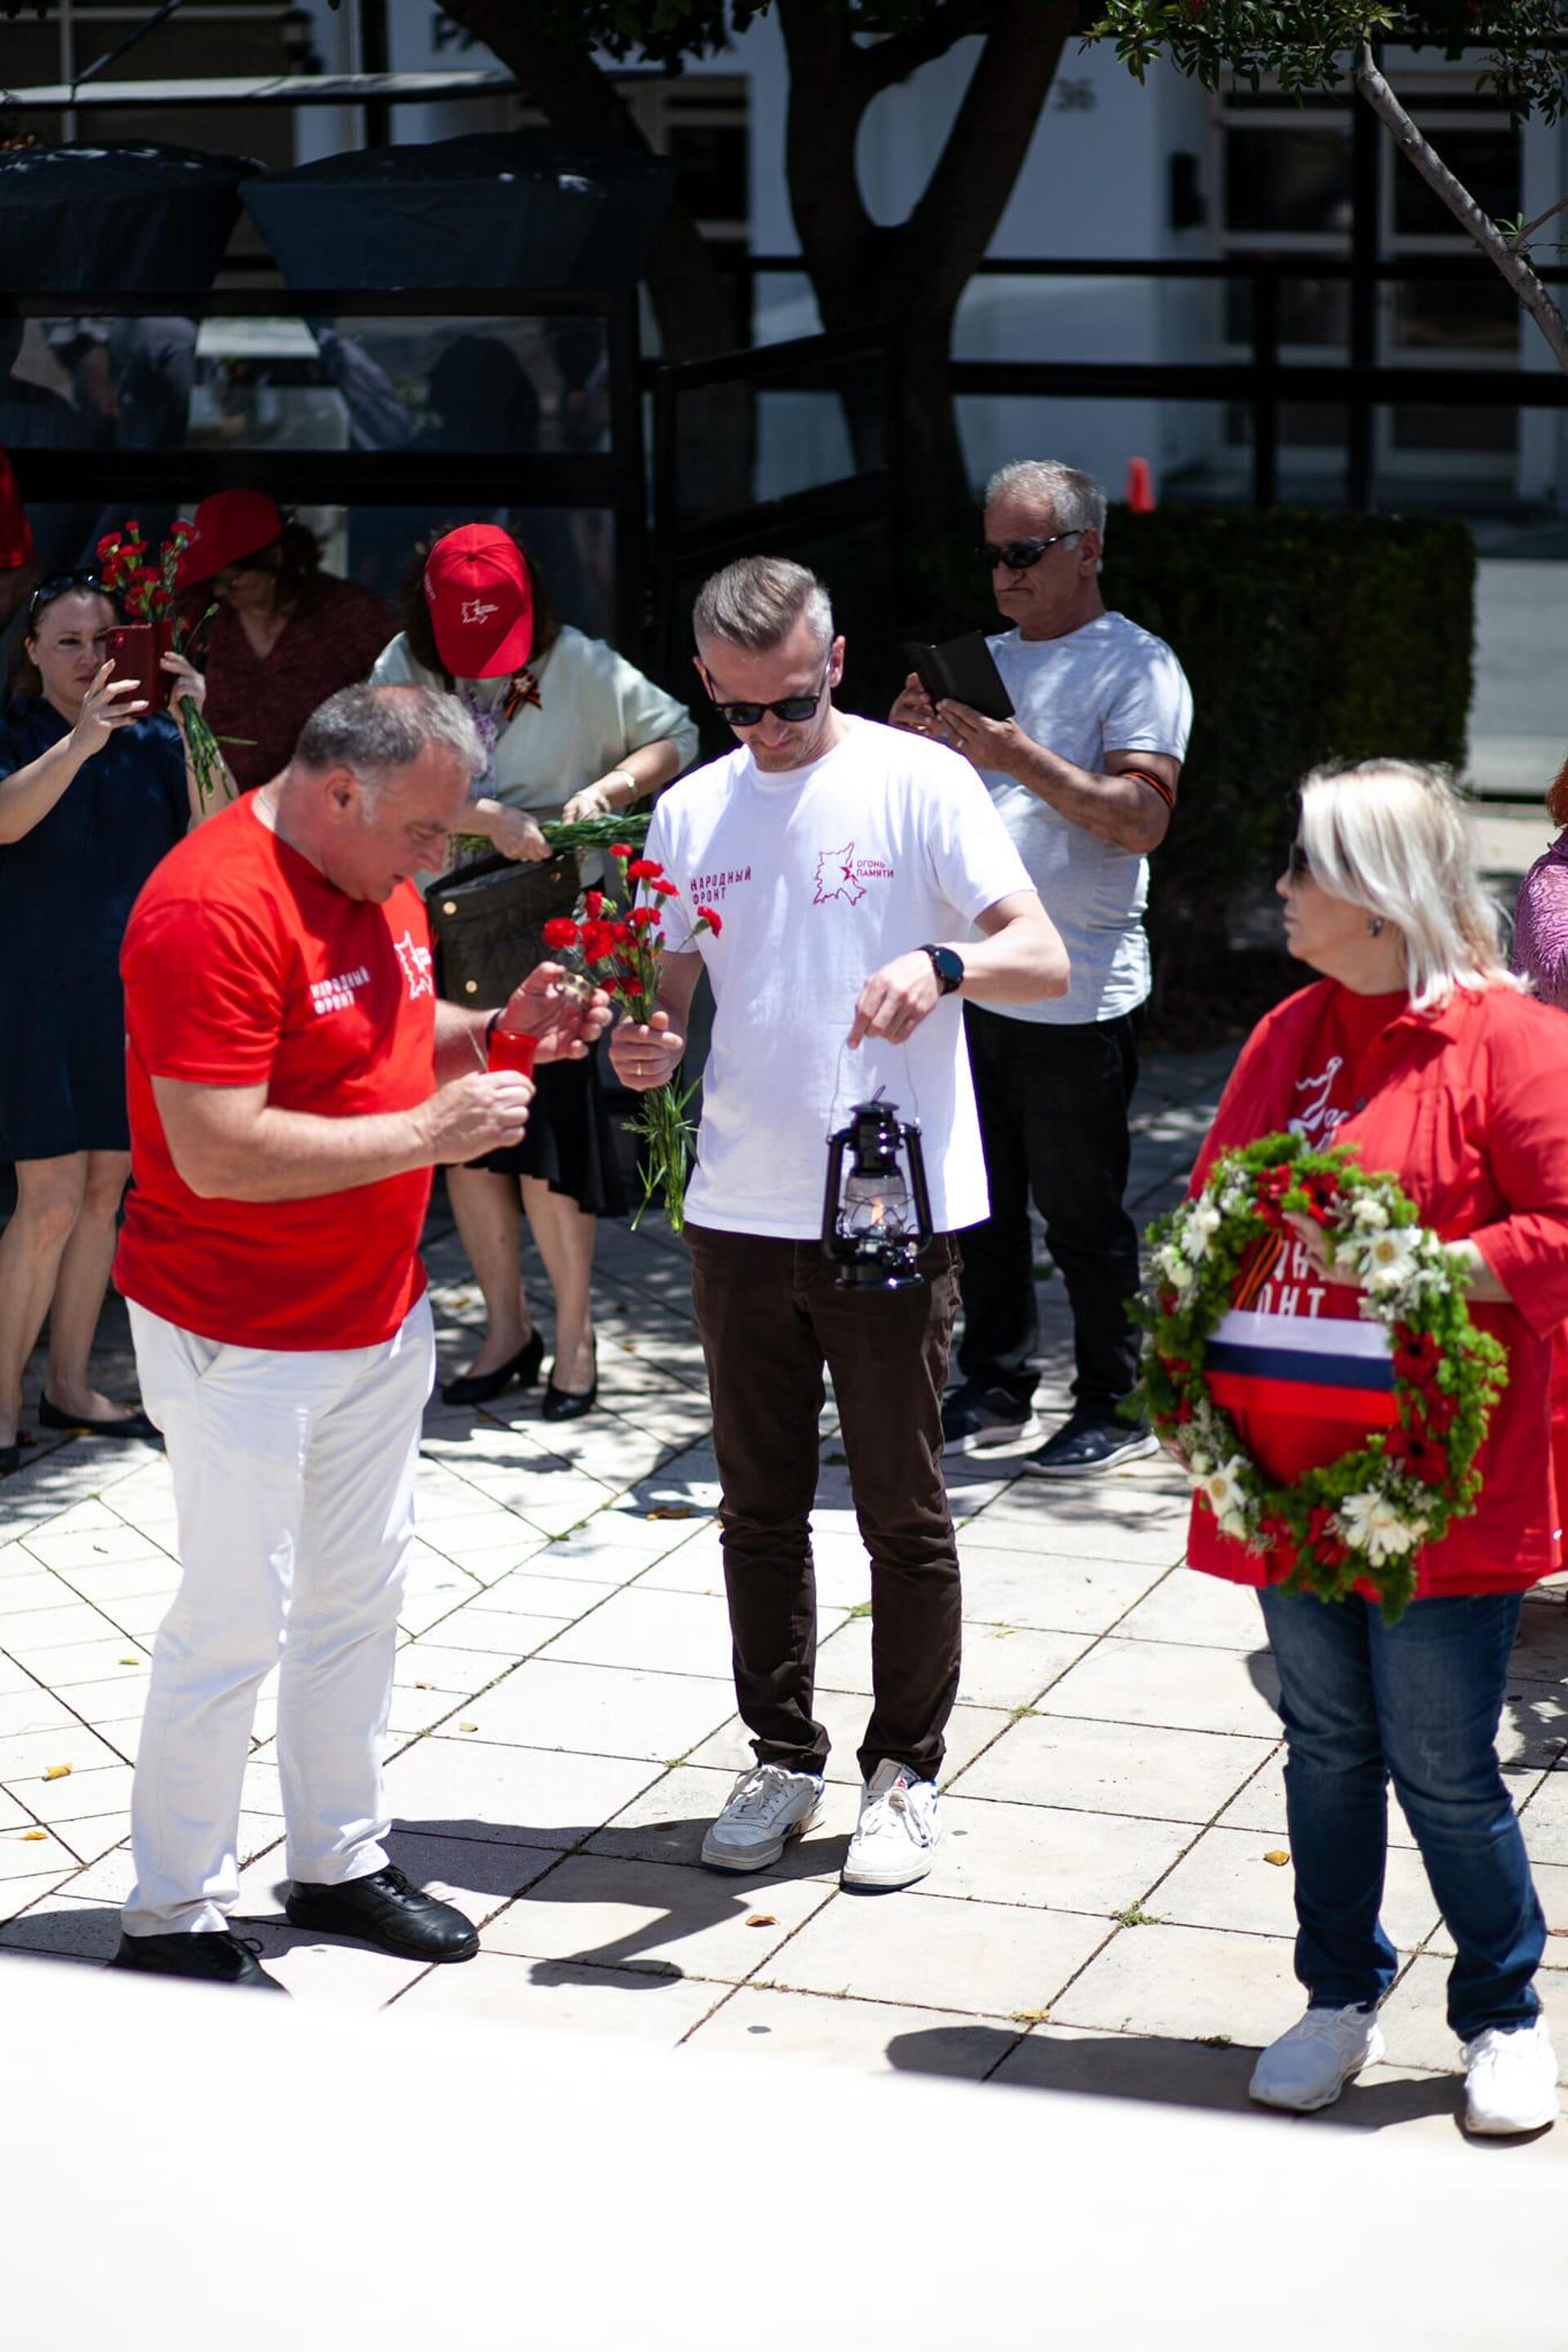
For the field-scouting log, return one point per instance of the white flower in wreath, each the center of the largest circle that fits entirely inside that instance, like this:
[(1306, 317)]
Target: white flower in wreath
[(1370, 1523), (1227, 1497), (1369, 1214), (1391, 1260), (1176, 1270), (1203, 1221)]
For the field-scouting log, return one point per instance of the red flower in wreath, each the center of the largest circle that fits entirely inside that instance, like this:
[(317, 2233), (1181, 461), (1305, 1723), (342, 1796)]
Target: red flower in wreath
[(1421, 1454), (1273, 1183), (1323, 1195), (1323, 1537), (561, 931)]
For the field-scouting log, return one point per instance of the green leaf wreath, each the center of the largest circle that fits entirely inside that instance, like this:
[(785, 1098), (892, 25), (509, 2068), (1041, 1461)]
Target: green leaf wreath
[(1363, 1519)]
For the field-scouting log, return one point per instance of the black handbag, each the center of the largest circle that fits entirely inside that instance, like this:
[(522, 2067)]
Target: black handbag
[(488, 921)]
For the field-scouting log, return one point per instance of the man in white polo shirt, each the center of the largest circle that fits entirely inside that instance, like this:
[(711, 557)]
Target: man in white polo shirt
[(845, 861), (1084, 778)]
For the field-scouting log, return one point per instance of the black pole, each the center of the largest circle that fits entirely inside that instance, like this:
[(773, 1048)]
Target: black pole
[(375, 57), (1366, 151), (1265, 379)]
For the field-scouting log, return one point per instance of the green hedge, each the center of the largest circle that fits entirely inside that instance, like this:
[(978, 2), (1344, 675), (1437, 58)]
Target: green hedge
[(1307, 637)]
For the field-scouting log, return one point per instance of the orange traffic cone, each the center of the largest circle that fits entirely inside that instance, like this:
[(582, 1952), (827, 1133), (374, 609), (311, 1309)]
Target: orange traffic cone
[(1140, 486)]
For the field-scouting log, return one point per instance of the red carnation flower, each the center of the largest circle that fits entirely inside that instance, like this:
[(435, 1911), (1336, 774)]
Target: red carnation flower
[(643, 869), (1273, 1183), (1323, 1536), (561, 931), (711, 917), (643, 916), (663, 886), (1323, 1194), (620, 849), (593, 904)]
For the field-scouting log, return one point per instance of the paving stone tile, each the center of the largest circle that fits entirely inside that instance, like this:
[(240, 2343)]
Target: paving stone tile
[(39, 1589), (66, 1622), (82, 1795), (1013, 1588), (1186, 1983), (1532, 1734), (25, 1854), (155, 1579), (1051, 1857), (1414, 2018), (459, 1536), (525, 1796), (1543, 1815), (109, 1878), (76, 1662), (872, 2036), (937, 1952), (1225, 1881), (27, 1756), (331, 1971), (85, 1931), (1134, 2066), (503, 1634), (680, 1633), (600, 1911), (29, 1707), (111, 1545), (604, 1710), (1114, 1768), (501, 1988), (1005, 1667), (444, 1668), (115, 1702), (1044, 1530), (844, 1716), (1160, 1683), (1552, 1885), (1188, 1607), (668, 1821), (533, 1591)]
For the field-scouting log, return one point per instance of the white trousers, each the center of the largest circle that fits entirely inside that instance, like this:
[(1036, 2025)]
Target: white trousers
[(294, 1489)]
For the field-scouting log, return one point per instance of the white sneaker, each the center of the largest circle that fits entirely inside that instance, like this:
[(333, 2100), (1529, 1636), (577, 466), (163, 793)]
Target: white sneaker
[(1310, 2067), (1510, 2080), (767, 1807), (894, 1837)]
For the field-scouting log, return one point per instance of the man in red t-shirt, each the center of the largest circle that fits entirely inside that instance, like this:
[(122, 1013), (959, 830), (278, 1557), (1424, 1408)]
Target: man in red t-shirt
[(292, 1081)]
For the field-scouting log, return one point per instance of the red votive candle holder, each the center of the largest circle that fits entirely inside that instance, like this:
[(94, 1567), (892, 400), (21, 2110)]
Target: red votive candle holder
[(510, 1049)]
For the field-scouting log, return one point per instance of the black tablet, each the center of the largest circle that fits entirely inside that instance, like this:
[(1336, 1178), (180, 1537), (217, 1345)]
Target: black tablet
[(963, 670)]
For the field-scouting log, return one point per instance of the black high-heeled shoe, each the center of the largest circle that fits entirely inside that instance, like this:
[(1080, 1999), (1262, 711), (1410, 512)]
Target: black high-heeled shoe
[(569, 1404), (483, 1388), (130, 1424)]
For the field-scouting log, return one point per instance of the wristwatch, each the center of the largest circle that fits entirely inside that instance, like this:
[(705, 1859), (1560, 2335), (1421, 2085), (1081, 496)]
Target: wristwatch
[(947, 966)]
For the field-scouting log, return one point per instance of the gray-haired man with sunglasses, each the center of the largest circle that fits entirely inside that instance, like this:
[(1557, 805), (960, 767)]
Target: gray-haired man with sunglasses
[(1084, 778)]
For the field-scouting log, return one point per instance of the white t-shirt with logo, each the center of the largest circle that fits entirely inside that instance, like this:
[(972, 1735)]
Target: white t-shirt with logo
[(821, 875), (1108, 687)]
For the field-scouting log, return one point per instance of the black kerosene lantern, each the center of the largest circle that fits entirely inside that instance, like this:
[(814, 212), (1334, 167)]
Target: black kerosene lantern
[(876, 1219)]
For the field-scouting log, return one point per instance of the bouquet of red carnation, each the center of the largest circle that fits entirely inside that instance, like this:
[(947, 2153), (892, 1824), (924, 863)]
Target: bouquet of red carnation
[(144, 582), (624, 954)]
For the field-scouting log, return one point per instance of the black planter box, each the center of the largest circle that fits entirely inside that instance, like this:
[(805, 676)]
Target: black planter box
[(116, 219)]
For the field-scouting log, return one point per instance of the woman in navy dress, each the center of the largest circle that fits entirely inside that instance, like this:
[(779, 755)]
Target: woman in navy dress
[(94, 791)]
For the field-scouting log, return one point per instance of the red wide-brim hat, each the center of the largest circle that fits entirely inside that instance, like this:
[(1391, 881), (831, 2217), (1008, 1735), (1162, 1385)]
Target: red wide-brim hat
[(228, 527)]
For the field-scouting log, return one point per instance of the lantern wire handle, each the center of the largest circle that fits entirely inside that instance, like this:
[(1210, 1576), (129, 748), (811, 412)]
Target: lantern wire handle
[(837, 1081)]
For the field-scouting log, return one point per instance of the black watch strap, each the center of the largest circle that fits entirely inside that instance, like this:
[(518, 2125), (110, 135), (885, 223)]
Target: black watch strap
[(947, 966)]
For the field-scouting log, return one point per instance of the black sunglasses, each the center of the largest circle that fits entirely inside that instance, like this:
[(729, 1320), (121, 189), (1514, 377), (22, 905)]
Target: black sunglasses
[(60, 584), (1022, 554), (1297, 862), (795, 709)]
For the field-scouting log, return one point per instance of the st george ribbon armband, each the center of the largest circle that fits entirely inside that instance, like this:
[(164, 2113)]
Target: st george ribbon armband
[(1155, 784)]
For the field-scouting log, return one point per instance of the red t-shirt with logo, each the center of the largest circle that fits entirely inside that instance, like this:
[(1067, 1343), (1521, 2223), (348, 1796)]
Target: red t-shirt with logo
[(244, 966)]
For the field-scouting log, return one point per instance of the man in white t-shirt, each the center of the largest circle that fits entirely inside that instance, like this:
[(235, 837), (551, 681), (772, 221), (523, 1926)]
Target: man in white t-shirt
[(844, 862), (1084, 778)]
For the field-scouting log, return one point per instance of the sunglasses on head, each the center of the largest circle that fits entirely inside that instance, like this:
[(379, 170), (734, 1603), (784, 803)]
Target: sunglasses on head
[(795, 709), (1022, 554), (1297, 862), (60, 584)]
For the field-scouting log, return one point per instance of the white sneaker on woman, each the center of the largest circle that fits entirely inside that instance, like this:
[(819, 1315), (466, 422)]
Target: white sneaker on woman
[(767, 1807), (1310, 2067), (894, 1837), (1510, 2080)]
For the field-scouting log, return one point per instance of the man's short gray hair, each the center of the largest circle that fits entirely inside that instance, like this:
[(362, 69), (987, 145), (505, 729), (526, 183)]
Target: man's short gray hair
[(370, 729), (1076, 500), (756, 602)]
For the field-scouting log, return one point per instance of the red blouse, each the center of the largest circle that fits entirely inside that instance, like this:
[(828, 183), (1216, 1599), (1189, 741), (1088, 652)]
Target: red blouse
[(264, 699), (1467, 1107)]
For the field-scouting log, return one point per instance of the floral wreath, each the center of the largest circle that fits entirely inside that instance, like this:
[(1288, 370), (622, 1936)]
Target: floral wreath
[(1360, 1520)]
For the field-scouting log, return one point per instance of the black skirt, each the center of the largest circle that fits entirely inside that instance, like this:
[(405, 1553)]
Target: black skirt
[(570, 1142)]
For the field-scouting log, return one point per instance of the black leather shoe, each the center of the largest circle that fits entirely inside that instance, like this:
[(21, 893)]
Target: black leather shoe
[(385, 1910), (569, 1404), (131, 1424), (483, 1388), (219, 1958), (10, 1459)]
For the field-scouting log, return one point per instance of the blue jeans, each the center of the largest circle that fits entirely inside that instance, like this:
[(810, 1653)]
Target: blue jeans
[(1418, 1702)]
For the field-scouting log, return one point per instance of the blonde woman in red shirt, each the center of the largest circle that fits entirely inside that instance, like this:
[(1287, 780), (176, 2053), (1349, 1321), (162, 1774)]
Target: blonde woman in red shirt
[(1421, 1049)]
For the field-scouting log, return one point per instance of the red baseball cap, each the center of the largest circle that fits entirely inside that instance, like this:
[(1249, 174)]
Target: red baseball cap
[(228, 526), (482, 602)]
